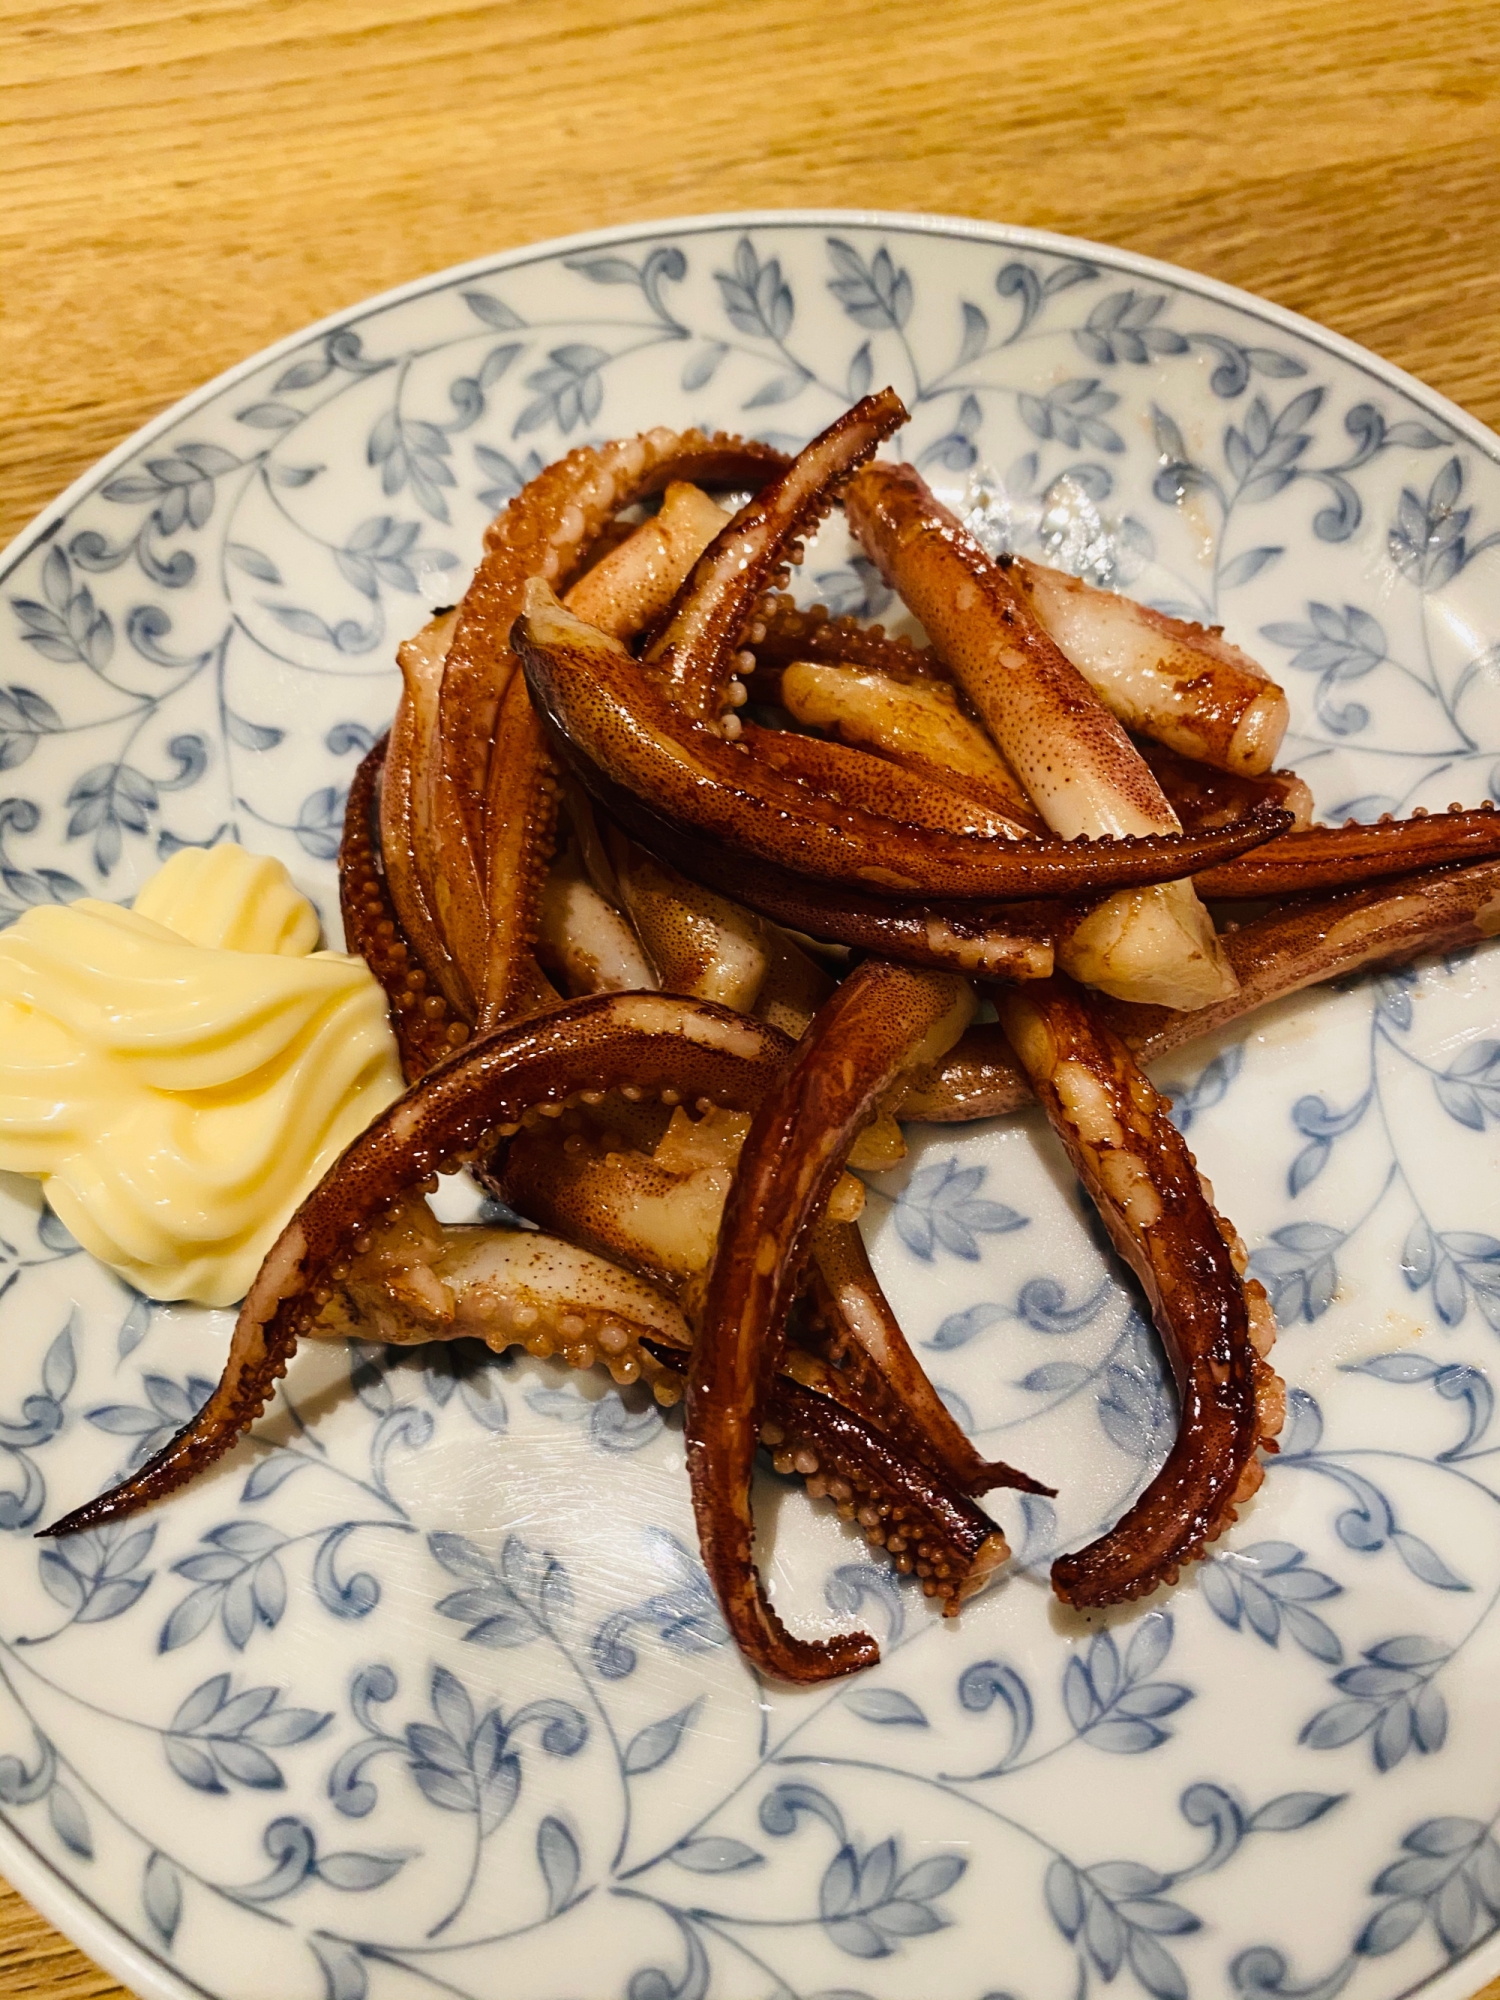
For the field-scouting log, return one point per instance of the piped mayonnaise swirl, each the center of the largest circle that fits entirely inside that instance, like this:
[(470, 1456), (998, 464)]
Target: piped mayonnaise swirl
[(181, 1074)]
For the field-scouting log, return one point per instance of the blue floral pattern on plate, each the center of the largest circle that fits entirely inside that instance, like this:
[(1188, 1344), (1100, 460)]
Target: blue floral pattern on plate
[(424, 1691)]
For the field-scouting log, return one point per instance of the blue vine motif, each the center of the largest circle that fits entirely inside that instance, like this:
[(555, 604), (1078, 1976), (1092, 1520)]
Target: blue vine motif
[(218, 1738), (1116, 1912), (463, 1762), (365, 1616)]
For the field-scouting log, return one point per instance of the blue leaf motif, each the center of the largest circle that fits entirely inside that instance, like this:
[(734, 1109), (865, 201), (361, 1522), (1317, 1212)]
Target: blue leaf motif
[(959, 1328), (558, 1858), (715, 1854), (653, 1745), (161, 1896), (569, 390), (940, 1207), (1208, 1088), (886, 1706), (756, 298), (875, 295)]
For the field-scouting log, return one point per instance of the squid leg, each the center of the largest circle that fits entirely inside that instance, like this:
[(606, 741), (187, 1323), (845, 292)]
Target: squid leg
[(457, 1113), (881, 1019), (1216, 1325)]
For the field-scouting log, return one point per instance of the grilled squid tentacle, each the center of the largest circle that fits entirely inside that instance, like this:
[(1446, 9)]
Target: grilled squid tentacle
[(927, 1526), (457, 1113), (1284, 951), (614, 727), (549, 530), (865, 1342), (407, 831), (1203, 797), (419, 1280), (881, 1018), (426, 1025), (621, 594), (1072, 756), (1216, 1325), (983, 940), (521, 821), (1183, 684), (694, 654), (1331, 857)]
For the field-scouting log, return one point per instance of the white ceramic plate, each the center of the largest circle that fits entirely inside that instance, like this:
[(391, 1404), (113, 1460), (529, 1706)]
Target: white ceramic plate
[(422, 1692)]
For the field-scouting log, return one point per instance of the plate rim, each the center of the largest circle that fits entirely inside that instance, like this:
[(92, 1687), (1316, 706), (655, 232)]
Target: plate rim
[(965, 228), (30, 1872)]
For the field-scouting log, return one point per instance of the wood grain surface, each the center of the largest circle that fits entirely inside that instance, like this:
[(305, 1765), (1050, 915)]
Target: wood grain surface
[(183, 181)]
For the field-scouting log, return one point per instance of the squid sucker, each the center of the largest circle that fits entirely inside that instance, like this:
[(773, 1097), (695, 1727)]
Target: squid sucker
[(678, 894)]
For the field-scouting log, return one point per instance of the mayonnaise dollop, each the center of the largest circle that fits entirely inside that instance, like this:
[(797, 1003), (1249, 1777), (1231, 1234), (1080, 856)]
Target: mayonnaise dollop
[(181, 1074)]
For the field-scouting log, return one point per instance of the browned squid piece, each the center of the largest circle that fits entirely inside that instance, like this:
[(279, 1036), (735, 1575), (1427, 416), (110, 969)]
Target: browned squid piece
[(1305, 942), (621, 735), (880, 1020), (426, 1025), (875, 1370), (456, 1115), (469, 800), (984, 940), (1216, 1324)]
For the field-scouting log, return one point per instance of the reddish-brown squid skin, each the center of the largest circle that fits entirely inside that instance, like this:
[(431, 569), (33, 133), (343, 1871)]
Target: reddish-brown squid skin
[(865, 1343), (1302, 944), (548, 530), (850, 1056), (427, 1027), (982, 940), (608, 718), (1140, 1174), (653, 1041), (1333, 857), (693, 655)]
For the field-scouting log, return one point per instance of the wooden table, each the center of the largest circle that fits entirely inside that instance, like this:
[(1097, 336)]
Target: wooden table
[(183, 183)]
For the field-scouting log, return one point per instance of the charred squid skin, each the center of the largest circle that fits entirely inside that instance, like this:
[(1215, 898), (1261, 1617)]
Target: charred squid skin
[(693, 655), (866, 1345), (1304, 943), (849, 1058), (1334, 857), (454, 1114), (927, 1526), (781, 633), (548, 530), (427, 1028), (608, 717), (1145, 1183), (980, 940)]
